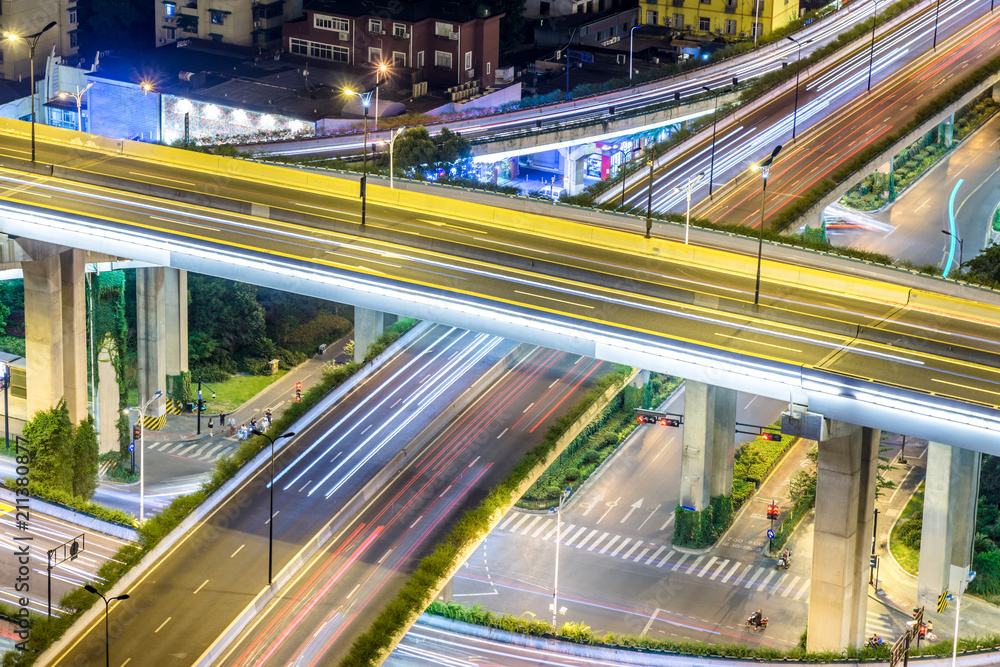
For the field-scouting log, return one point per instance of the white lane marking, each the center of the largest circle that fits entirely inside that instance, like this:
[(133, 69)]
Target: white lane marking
[(527, 408), (162, 624), (707, 566), (238, 550), (650, 516), (384, 556), (502, 433), (649, 623), (668, 522), (417, 521), (200, 587)]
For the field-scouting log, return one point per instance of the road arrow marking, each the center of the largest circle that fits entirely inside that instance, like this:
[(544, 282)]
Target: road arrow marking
[(631, 509), (650, 516)]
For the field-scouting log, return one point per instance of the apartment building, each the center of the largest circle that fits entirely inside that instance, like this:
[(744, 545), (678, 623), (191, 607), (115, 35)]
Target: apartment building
[(249, 23), (445, 43), (734, 19), (26, 18)]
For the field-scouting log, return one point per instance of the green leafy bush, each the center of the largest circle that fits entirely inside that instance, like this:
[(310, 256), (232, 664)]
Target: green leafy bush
[(909, 531)]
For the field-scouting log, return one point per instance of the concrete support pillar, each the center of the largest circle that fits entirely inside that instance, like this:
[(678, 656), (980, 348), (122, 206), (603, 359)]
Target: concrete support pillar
[(388, 319), (56, 333), (950, 492), (176, 324), (368, 325), (996, 92), (845, 500), (946, 131), (151, 335), (709, 443), (107, 397)]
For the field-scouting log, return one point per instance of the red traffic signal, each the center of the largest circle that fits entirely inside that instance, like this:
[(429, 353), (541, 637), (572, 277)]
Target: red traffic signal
[(772, 511), (776, 437), (667, 421), (923, 630), (136, 433)]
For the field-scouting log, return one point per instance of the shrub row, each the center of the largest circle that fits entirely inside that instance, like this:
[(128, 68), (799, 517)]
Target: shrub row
[(371, 647), (581, 634), (45, 630)]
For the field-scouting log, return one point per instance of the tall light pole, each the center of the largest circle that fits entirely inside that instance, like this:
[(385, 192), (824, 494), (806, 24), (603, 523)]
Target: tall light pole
[(107, 637), (715, 122), (142, 451), (765, 169), (32, 42), (78, 96), (634, 28), (960, 245), (5, 381), (798, 61), (270, 515), (392, 142), (937, 12), (756, 9), (382, 70), (871, 57), (958, 608), (366, 99), (692, 180), (555, 580), (649, 198)]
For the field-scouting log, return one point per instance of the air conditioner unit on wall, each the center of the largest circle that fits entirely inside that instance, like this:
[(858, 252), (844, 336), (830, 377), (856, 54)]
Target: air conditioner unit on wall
[(343, 36), (470, 73), (453, 36), (256, 24)]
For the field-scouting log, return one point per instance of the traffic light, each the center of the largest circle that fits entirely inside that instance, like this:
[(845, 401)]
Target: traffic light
[(667, 421), (872, 560), (136, 432), (772, 511), (923, 631), (775, 437), (201, 405)]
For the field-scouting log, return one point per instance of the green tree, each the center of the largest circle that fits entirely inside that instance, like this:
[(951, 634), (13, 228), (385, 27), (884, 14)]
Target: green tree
[(451, 147), (50, 450), (85, 457), (226, 321), (414, 149), (985, 266)]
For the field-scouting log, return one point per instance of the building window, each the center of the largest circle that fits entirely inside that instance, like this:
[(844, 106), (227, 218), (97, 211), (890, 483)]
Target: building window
[(651, 17), (302, 47), (74, 41), (375, 26), (374, 54), (218, 16), (331, 23), (443, 29), (398, 59), (730, 27), (169, 10), (757, 29), (72, 15), (468, 60), (704, 24), (543, 8), (679, 21), (420, 59), (169, 32), (442, 59), (489, 68), (399, 30)]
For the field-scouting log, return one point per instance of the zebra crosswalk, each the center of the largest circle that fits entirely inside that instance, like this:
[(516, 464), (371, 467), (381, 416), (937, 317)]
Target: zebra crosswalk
[(198, 451), (713, 568), (881, 624)]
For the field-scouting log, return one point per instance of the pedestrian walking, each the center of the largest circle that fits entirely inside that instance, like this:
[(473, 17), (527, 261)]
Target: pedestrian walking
[(222, 420), (210, 427)]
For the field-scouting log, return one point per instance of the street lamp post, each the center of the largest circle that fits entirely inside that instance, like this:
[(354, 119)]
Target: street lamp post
[(649, 198), (871, 57), (270, 515), (366, 98), (958, 608), (382, 69), (937, 12), (78, 96), (765, 169), (392, 142), (32, 42), (555, 580), (715, 123), (961, 243), (634, 28), (618, 151), (798, 69), (142, 451), (690, 186), (107, 636)]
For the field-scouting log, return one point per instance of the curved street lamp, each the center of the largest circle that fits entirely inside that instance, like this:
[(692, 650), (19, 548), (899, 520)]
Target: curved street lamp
[(765, 169), (107, 601), (692, 180), (795, 113), (32, 42), (383, 69), (366, 99), (270, 516), (78, 96), (142, 450)]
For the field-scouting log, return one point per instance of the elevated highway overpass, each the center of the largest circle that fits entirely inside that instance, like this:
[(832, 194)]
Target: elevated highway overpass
[(890, 350)]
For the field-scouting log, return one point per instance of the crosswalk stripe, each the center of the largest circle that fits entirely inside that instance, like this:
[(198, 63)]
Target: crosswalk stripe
[(154, 445), (736, 566), (679, 562), (524, 517), (598, 541), (632, 550), (545, 524), (789, 587), (641, 554), (513, 515), (622, 546), (171, 448), (802, 591), (653, 557), (577, 534), (743, 575), (203, 448), (212, 452), (768, 578), (551, 534), (607, 547), (185, 451), (710, 561), (586, 539), (531, 524), (719, 571), (759, 572)]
